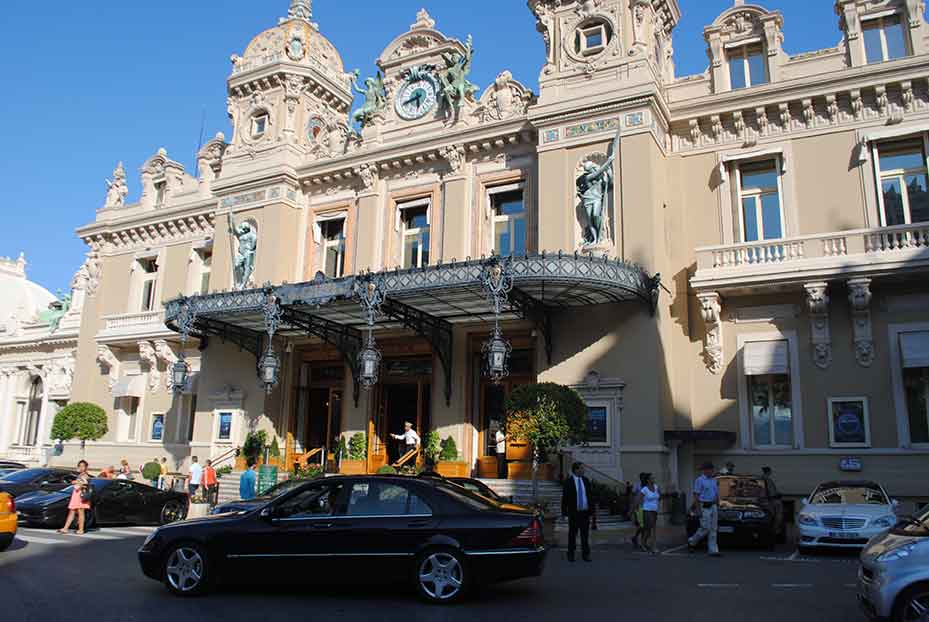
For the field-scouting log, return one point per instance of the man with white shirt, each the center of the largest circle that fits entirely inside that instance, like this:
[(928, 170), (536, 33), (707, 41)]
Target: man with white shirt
[(500, 450), (409, 438), (194, 476), (706, 506), (578, 505)]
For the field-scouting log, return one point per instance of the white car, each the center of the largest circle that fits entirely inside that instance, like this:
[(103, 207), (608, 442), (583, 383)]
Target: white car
[(845, 514)]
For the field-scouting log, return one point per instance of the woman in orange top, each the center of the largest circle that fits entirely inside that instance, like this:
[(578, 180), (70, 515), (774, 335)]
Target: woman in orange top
[(212, 483)]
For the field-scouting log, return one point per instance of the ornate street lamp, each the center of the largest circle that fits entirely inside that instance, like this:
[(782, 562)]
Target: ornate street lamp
[(497, 356), (180, 373), (269, 369), (371, 295), (369, 363), (497, 284), (269, 366), (180, 370)]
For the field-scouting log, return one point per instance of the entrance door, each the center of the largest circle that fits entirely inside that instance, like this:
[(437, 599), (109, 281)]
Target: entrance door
[(317, 420), (402, 405), (493, 402), (398, 401)]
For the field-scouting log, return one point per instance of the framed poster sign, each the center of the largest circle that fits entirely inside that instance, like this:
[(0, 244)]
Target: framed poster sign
[(598, 425), (849, 424)]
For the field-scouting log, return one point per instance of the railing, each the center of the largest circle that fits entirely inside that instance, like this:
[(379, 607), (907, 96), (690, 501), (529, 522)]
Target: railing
[(126, 321), (567, 459), (863, 242), (226, 455), (405, 458)]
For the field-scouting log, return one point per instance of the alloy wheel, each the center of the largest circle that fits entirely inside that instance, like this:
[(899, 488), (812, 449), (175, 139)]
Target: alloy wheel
[(917, 608), (171, 512), (441, 576), (184, 569)]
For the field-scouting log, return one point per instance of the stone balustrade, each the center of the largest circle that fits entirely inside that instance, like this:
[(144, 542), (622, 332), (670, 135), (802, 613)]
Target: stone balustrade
[(132, 325)]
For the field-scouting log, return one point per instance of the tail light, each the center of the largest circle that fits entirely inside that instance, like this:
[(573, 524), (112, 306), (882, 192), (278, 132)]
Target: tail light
[(530, 537), (11, 505)]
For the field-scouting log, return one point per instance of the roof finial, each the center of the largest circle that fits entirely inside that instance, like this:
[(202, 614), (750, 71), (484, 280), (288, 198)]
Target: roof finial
[(739, 2), (423, 20), (301, 9)]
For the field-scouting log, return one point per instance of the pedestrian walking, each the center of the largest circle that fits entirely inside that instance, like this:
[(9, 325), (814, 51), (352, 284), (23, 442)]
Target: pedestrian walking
[(194, 477), (650, 499), (163, 478), (638, 519), (125, 471), (577, 505), (706, 506), (500, 440), (211, 482), (81, 496), (247, 483)]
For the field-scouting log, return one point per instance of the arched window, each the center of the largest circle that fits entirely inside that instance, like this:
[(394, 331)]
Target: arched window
[(33, 412)]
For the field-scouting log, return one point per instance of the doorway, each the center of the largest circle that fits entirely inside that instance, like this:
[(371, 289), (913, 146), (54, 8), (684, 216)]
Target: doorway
[(493, 396), (405, 394), (317, 421)]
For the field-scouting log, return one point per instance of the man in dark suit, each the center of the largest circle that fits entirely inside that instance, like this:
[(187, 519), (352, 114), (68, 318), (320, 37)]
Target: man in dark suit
[(578, 505)]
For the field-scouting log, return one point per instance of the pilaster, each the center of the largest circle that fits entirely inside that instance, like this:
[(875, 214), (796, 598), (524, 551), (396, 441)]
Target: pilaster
[(859, 297), (817, 300)]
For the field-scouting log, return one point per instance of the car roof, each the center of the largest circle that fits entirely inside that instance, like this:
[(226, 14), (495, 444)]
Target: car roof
[(852, 483)]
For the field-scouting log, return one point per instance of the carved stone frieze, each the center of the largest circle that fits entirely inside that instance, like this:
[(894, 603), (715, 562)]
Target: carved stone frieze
[(109, 364), (150, 360), (455, 156)]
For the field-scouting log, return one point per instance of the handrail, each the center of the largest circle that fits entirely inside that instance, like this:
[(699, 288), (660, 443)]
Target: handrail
[(589, 469), (309, 455), (229, 453), (406, 458)]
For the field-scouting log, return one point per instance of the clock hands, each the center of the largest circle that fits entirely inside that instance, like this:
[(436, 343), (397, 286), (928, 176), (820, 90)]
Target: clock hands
[(417, 96)]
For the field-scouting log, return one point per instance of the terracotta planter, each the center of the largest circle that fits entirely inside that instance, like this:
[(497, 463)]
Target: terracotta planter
[(453, 469), (487, 467), (353, 467), (518, 450), (523, 470)]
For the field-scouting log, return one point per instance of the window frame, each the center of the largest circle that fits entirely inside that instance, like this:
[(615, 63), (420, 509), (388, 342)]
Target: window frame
[(495, 218), (746, 436), (414, 204), (253, 126), (148, 302), (867, 422), (151, 427), (740, 51), (124, 407), (740, 194), (877, 22), (596, 28), (217, 426), (327, 243), (206, 271), (899, 174), (607, 405), (904, 440)]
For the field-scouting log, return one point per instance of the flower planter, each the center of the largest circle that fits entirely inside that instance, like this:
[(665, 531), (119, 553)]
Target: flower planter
[(353, 467), (453, 469), (518, 450), (523, 470), (198, 510)]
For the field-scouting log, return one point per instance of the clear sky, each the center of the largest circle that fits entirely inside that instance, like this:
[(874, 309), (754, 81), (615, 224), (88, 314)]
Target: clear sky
[(87, 84)]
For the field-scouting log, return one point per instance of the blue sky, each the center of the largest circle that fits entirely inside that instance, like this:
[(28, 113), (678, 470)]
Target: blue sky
[(90, 83)]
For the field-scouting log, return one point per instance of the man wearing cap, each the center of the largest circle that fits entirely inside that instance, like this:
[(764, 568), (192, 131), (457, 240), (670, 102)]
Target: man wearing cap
[(409, 439), (706, 505)]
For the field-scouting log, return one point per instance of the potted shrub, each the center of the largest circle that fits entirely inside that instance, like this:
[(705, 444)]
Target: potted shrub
[(450, 463), (274, 453), (252, 450), (80, 420), (357, 462)]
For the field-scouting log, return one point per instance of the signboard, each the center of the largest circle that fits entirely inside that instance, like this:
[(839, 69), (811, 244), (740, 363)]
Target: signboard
[(848, 422), (267, 478), (850, 463), (597, 425)]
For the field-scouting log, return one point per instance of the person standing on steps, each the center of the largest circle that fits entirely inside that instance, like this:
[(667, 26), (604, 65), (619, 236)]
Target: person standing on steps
[(500, 440), (409, 439), (706, 506), (247, 483), (578, 506)]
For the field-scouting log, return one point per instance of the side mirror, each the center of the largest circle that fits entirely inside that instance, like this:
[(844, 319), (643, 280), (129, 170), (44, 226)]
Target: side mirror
[(267, 513), (895, 503)]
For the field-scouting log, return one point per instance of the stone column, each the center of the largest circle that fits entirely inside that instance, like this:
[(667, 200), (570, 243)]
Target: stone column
[(44, 425)]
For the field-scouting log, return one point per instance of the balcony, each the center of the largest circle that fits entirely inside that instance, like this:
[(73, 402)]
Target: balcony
[(845, 254), (133, 326)]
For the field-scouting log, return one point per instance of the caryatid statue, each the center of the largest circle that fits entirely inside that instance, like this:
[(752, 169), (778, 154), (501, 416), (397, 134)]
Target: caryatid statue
[(593, 188), (244, 261)]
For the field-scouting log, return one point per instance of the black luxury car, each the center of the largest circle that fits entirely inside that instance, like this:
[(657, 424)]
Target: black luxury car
[(750, 511), (476, 485), (116, 502), (435, 535), (24, 481), (241, 505), (8, 464)]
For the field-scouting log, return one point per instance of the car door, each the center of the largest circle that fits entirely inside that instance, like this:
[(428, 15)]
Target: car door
[(287, 535), (120, 502)]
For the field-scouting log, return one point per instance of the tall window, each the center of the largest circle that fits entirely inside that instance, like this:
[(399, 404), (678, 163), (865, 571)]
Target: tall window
[(902, 171), (760, 200), (915, 350), (33, 413), (186, 421), (747, 66), (259, 125), (333, 247), (769, 393), (884, 39), (414, 233), (206, 269), (149, 268), (509, 213)]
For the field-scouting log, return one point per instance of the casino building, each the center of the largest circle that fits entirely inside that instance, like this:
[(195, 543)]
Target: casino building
[(727, 266)]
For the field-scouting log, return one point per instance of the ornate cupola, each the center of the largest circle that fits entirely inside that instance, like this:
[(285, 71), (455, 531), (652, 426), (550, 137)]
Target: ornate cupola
[(288, 90)]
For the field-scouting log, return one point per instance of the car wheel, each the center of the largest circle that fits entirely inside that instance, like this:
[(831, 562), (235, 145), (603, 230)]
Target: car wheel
[(172, 512), (913, 604), (441, 576), (186, 572)]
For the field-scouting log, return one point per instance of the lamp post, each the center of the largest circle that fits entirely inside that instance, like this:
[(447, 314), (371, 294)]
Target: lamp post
[(269, 366), (180, 370), (497, 284), (371, 295)]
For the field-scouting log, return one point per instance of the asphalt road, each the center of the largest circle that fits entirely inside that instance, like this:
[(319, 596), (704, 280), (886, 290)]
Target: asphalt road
[(45, 576)]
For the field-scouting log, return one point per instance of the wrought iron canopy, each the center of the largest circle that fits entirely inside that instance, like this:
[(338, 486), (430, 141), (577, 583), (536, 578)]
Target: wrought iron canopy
[(427, 300)]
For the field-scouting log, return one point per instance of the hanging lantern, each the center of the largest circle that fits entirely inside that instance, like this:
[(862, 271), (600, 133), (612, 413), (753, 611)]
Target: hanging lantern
[(180, 373), (269, 368), (497, 356), (369, 363)]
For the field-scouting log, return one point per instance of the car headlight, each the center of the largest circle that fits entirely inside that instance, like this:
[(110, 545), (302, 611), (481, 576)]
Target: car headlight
[(807, 519), (900, 552), (757, 514), (884, 522)]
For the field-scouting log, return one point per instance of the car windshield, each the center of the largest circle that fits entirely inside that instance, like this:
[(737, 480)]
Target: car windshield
[(466, 497), (849, 494), (477, 489), (5, 472), (730, 487), (24, 476), (281, 488), (917, 525)]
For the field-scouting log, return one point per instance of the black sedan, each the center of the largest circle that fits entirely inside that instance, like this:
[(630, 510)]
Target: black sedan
[(435, 535), (241, 505), (750, 511), (116, 502), (23, 481), (476, 485)]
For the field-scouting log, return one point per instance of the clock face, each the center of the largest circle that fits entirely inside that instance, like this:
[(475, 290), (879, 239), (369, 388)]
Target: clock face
[(416, 99)]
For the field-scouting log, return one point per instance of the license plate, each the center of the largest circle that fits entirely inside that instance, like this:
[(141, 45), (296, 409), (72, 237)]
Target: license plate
[(727, 530), (845, 535)]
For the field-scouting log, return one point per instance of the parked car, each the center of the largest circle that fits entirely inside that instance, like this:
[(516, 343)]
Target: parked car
[(751, 511), (241, 505), (116, 501), (442, 539), (8, 521), (20, 482), (8, 464), (893, 580), (844, 514), (476, 485)]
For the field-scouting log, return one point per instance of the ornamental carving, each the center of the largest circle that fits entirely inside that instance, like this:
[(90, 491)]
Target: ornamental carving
[(166, 355), (544, 11), (61, 375), (109, 364), (741, 23), (711, 310), (817, 300), (859, 297), (455, 156), (117, 190), (505, 99), (150, 360), (368, 175)]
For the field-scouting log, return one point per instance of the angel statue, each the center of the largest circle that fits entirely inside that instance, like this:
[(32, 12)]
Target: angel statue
[(455, 84), (117, 190), (593, 188), (375, 94), (244, 260)]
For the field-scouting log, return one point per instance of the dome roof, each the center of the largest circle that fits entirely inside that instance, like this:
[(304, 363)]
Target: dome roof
[(18, 295), (296, 40)]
